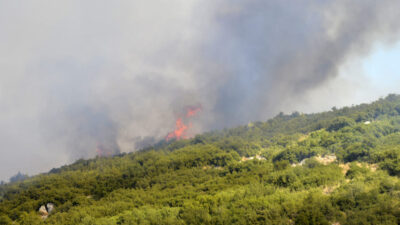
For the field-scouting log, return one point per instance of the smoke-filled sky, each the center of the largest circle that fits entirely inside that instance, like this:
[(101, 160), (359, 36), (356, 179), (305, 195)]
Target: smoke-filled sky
[(78, 74)]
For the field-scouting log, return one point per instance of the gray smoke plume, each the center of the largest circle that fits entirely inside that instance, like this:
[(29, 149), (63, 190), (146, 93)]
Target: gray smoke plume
[(78, 75), (273, 51)]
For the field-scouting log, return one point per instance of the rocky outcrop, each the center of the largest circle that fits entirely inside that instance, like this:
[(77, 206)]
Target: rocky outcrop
[(45, 210), (50, 207), (327, 159), (258, 157)]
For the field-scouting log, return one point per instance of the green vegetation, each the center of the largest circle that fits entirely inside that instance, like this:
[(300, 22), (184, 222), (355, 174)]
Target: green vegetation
[(341, 167)]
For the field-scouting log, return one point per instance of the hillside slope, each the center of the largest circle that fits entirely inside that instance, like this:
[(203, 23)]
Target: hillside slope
[(337, 167)]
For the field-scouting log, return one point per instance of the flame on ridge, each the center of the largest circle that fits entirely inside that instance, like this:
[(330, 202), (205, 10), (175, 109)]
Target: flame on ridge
[(181, 128)]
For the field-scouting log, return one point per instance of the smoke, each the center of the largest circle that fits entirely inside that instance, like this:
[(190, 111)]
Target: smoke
[(75, 75), (272, 52)]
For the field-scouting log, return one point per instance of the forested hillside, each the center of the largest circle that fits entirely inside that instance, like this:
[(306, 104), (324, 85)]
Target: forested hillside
[(336, 167)]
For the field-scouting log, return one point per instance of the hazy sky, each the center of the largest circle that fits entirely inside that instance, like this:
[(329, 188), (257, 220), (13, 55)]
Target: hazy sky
[(78, 74), (382, 67), (361, 80)]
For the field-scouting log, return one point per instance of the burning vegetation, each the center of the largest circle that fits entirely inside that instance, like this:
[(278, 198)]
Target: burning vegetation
[(106, 151), (183, 124)]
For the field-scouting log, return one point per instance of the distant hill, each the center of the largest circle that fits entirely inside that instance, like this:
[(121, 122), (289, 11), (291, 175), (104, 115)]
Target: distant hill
[(336, 167)]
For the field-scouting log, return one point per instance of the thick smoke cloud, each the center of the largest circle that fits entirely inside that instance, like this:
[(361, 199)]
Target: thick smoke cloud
[(273, 51), (76, 75)]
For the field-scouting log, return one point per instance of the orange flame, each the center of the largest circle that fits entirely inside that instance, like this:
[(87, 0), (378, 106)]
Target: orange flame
[(102, 151), (179, 132), (181, 128), (192, 111)]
